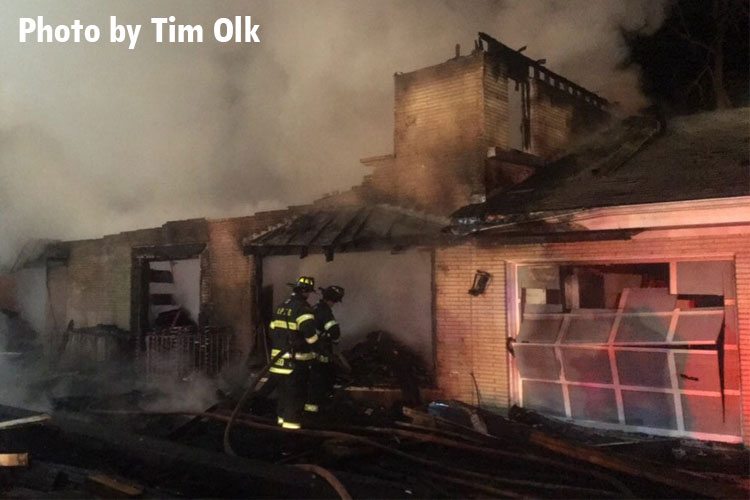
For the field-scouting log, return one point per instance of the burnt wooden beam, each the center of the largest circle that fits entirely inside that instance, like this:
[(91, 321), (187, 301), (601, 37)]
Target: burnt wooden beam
[(522, 64), (90, 444), (23, 422), (169, 252)]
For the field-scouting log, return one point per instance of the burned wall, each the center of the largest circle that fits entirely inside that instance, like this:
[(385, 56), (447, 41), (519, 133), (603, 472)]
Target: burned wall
[(438, 110), (230, 279), (439, 137), (471, 331), (447, 116), (99, 278), (32, 296), (558, 118), (95, 285)]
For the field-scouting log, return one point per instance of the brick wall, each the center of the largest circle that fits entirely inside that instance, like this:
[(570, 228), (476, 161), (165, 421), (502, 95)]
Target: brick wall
[(231, 286), (439, 109), (98, 276), (742, 269), (99, 271), (439, 137), (495, 87), (557, 118), (471, 331), (445, 118), (99, 283)]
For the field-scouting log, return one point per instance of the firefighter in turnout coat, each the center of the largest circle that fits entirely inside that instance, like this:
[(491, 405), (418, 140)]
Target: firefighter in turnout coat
[(293, 331), (322, 373)]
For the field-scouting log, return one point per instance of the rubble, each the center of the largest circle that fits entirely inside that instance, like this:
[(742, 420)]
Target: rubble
[(380, 361), (445, 449)]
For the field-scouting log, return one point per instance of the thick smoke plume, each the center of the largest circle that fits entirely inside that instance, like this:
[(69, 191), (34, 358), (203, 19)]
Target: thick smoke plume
[(97, 139)]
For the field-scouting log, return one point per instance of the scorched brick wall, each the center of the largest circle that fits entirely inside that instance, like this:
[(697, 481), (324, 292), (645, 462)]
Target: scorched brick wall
[(445, 119), (558, 118)]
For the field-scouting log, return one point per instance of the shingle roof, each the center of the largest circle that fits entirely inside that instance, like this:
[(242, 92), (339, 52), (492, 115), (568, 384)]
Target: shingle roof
[(635, 162), (362, 227)]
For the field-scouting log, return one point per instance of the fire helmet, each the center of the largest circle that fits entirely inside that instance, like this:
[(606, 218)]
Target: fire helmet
[(304, 284), (334, 293)]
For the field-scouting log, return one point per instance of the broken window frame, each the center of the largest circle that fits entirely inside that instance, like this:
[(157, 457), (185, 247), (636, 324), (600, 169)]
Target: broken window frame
[(141, 257), (669, 347)]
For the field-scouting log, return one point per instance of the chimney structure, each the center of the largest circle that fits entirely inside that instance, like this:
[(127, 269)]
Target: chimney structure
[(450, 117)]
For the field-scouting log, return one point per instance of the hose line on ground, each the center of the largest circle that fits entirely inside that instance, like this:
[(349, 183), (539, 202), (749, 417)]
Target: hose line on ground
[(252, 382)]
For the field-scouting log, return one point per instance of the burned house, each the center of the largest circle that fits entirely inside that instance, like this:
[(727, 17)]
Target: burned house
[(611, 267)]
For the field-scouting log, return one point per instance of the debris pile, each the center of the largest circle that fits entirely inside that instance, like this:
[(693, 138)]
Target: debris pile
[(444, 450), (381, 361)]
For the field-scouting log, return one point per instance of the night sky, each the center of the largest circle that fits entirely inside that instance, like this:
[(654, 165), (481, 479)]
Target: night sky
[(678, 59)]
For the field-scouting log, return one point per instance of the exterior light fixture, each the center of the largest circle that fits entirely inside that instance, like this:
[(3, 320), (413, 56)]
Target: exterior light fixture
[(481, 280)]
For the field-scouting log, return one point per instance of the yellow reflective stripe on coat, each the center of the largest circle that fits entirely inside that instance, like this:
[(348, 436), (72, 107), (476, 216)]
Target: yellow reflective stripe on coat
[(274, 352), (330, 325), (279, 323), (289, 425), (304, 317), (280, 371), (304, 356), (312, 340), (323, 359), (311, 407)]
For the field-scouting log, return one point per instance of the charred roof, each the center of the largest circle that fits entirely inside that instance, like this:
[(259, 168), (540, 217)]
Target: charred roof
[(352, 228), (635, 161)]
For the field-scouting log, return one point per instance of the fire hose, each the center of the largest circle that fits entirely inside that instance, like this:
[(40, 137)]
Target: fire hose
[(325, 474), (250, 389)]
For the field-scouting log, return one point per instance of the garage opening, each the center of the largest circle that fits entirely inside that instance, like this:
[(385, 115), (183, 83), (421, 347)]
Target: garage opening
[(645, 347), (385, 291)]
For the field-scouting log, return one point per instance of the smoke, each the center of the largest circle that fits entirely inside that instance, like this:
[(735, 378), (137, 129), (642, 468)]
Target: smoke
[(36, 378), (97, 139)]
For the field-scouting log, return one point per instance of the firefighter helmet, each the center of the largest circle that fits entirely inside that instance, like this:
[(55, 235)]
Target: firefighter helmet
[(334, 293), (304, 284)]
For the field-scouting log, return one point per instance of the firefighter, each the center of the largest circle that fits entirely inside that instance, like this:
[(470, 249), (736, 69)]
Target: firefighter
[(322, 373), (293, 332)]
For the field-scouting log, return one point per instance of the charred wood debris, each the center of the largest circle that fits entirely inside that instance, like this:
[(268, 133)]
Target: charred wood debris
[(108, 444)]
